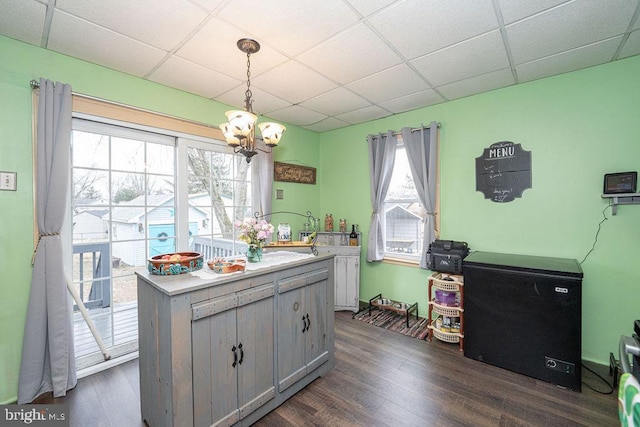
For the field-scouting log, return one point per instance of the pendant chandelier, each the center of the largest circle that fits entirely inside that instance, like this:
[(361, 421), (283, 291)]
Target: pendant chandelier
[(240, 131)]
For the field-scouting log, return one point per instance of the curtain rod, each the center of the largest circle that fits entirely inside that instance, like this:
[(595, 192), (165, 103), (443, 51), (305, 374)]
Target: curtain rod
[(397, 133), (36, 85)]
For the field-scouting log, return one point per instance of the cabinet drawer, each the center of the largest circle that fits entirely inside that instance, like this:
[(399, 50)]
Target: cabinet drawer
[(296, 282), (211, 307)]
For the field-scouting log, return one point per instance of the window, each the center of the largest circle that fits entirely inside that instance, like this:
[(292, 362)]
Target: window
[(219, 192), (137, 193), (403, 219)]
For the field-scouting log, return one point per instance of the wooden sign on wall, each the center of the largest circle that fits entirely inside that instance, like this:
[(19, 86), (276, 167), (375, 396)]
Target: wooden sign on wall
[(503, 171), (293, 173)]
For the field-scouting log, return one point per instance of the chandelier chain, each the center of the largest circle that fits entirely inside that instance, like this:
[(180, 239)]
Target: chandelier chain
[(247, 94)]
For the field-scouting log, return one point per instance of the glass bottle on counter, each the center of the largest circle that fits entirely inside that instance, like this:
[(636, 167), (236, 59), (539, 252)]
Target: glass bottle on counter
[(343, 225), (328, 223), (353, 237)]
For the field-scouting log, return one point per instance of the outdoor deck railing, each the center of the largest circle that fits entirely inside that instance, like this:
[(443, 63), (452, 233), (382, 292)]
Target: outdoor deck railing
[(218, 247)]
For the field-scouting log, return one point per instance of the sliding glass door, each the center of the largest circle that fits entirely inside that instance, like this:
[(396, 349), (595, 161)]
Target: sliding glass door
[(123, 211)]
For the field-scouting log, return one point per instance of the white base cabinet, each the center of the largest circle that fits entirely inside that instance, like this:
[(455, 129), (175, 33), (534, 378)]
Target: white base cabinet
[(227, 349)]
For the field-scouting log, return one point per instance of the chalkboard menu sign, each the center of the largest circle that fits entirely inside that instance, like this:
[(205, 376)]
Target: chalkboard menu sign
[(503, 172)]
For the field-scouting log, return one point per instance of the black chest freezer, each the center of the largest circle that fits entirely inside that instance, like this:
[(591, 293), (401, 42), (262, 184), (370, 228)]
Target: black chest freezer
[(524, 313)]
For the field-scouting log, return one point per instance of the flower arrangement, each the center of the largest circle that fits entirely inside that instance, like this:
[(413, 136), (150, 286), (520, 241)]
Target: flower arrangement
[(254, 232)]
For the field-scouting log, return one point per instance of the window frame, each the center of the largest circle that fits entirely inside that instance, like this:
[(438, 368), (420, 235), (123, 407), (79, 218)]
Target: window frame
[(413, 260)]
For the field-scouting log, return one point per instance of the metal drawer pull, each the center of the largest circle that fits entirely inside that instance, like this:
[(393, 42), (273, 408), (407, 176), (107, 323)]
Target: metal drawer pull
[(241, 354), (308, 322), (304, 327)]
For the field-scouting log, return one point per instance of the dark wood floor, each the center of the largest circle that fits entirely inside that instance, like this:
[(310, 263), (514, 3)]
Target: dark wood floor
[(383, 378)]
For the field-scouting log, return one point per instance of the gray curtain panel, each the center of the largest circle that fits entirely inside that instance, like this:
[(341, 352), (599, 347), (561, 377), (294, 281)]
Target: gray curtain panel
[(382, 155), (262, 181), (48, 359), (421, 150)]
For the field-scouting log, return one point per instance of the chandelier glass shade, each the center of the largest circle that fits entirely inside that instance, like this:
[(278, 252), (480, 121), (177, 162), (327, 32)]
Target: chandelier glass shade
[(240, 128)]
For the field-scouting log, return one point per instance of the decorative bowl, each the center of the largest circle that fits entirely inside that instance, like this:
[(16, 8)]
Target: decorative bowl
[(175, 263), (227, 266)]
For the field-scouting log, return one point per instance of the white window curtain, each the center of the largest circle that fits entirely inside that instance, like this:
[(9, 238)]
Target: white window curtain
[(382, 155), (262, 181), (421, 148), (48, 359)]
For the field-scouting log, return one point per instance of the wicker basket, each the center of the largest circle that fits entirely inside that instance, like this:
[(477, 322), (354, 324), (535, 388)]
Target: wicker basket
[(447, 285), (446, 310), (451, 337)]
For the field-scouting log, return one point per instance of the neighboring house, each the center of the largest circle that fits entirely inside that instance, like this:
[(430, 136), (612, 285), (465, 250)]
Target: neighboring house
[(128, 224), (403, 230), (88, 225)]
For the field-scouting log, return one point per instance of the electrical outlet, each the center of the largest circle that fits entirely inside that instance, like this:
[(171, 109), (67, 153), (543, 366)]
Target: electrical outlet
[(279, 194), (8, 181)]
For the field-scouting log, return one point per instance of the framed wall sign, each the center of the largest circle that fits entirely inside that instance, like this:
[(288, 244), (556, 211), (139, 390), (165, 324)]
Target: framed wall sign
[(503, 172), (294, 173)]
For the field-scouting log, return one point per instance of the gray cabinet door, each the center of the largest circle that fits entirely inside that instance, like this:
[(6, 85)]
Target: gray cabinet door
[(232, 340), (316, 352), (255, 322), (291, 337), (302, 326), (215, 389)]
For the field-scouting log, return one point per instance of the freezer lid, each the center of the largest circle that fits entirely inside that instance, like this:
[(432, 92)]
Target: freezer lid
[(566, 267)]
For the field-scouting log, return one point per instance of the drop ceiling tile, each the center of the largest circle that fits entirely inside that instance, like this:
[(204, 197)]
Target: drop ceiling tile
[(297, 115), (348, 60), (81, 39), (417, 27), (367, 7), (263, 102), (478, 84), (572, 60), (330, 123), (15, 13), (185, 75), (569, 26), (290, 26), (336, 101), (388, 84), (293, 82), (215, 47), (411, 102), (631, 46), (159, 24), (478, 55), (514, 10), (364, 115), (208, 5)]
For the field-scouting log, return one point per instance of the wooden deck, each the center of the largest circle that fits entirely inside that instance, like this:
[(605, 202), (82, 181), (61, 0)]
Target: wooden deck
[(118, 330)]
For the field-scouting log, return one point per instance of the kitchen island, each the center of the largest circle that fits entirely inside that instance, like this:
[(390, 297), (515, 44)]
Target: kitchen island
[(226, 349)]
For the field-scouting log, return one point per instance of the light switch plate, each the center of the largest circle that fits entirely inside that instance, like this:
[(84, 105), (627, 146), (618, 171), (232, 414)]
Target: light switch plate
[(8, 181)]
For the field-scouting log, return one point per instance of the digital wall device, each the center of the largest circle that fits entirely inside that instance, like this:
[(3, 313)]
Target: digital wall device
[(621, 182)]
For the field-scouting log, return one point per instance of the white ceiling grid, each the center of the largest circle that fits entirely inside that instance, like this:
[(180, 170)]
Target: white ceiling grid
[(332, 63)]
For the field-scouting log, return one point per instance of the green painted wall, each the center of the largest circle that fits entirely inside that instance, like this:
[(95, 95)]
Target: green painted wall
[(578, 127), (19, 63)]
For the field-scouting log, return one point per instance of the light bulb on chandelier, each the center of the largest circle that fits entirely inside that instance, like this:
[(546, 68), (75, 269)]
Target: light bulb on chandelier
[(240, 128)]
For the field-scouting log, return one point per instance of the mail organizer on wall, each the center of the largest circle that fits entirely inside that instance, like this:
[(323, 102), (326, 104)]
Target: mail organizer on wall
[(503, 172)]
